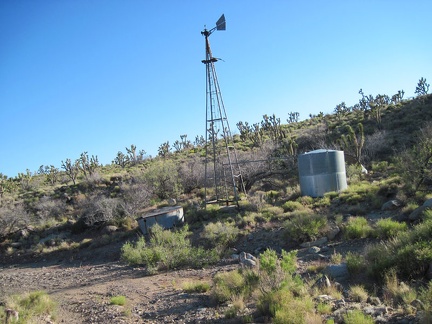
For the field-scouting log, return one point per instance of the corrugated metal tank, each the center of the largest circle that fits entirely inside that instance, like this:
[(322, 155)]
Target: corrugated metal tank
[(321, 171), (166, 217)]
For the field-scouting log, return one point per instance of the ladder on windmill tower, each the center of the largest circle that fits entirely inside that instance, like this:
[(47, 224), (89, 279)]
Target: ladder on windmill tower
[(223, 177)]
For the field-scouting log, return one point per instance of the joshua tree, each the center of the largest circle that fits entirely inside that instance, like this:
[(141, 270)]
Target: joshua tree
[(71, 169), (422, 87)]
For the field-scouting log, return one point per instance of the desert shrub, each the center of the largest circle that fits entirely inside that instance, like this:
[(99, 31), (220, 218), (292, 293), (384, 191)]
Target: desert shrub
[(99, 209), (388, 228), (247, 220), (409, 253), (409, 207), (228, 285), (305, 200), (396, 292), (357, 227), (271, 212), (33, 307), (324, 308), (358, 293), (136, 197), (162, 177), (118, 300), (219, 235), (425, 295), (336, 258), (357, 317), (12, 220), (290, 206), (191, 174), (247, 206), (196, 287), (380, 166), (271, 196), (322, 202), (361, 192), (305, 226), (285, 307), (256, 201), (354, 172), (128, 223), (48, 207), (331, 195), (293, 192), (355, 262), (414, 164), (167, 250), (274, 272)]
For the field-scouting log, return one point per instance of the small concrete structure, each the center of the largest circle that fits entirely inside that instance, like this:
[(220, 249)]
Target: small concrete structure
[(167, 217)]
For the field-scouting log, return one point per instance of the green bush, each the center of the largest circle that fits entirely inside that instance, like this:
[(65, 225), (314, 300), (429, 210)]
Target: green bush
[(409, 253), (167, 250), (356, 228), (357, 317), (219, 235), (305, 200), (355, 262), (196, 287), (358, 293), (395, 292), (271, 212), (275, 273), (425, 295), (285, 307), (381, 166), (228, 285), (118, 300), (31, 306), (291, 206), (388, 228), (305, 226)]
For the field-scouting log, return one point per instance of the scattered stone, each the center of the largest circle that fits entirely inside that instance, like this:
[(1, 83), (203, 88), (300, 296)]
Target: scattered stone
[(109, 229), (338, 272), (333, 232), (338, 286), (391, 205), (374, 301), (323, 282), (417, 213), (324, 298), (325, 249), (428, 203), (314, 250), (247, 260), (321, 241), (235, 256)]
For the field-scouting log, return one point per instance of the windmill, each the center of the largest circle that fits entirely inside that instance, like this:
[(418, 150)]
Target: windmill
[(223, 178)]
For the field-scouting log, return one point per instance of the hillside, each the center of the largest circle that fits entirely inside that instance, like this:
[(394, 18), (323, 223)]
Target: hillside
[(73, 233)]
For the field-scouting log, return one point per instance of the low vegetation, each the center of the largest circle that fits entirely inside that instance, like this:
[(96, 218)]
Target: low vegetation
[(86, 205), (118, 300), (167, 250), (32, 307)]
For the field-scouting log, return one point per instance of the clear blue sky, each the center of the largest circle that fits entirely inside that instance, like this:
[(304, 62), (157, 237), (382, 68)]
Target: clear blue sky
[(100, 75)]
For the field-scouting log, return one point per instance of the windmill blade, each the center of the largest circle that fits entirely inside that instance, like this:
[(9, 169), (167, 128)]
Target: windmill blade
[(221, 23)]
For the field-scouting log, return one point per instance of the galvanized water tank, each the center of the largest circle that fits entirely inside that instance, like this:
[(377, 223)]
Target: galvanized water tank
[(166, 217), (321, 171)]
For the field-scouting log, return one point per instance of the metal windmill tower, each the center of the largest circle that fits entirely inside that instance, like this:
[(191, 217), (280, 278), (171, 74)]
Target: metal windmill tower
[(223, 178)]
